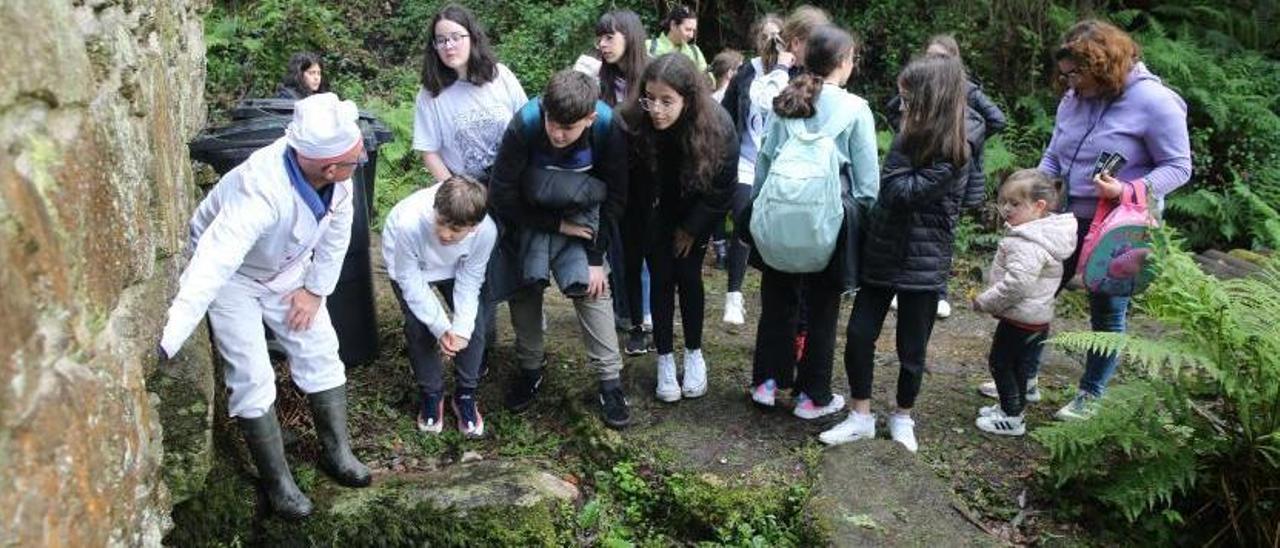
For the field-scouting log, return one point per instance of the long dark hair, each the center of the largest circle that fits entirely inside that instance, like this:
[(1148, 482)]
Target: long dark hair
[(826, 48), (676, 15), (700, 134), (298, 64), (933, 90), (482, 65), (633, 60)]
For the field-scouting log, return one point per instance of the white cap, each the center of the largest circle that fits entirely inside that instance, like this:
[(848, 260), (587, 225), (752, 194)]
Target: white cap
[(323, 126)]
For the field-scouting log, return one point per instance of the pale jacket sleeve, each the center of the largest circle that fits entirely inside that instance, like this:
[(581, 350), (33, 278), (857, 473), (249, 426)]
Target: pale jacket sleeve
[(765, 89), (326, 261), (469, 278), (863, 155), (244, 218), (1022, 264), (414, 288)]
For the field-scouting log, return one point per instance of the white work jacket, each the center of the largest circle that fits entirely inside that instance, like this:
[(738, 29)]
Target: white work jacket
[(255, 224)]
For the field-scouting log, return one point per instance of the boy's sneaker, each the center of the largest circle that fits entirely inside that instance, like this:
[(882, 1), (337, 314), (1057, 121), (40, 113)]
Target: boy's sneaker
[(470, 421), (523, 390), (695, 374), (613, 404), (988, 389), (733, 310), (668, 387), (903, 430), (996, 422), (989, 410), (637, 342), (765, 393), (854, 427), (431, 416), (806, 409), (1081, 407), (944, 309)]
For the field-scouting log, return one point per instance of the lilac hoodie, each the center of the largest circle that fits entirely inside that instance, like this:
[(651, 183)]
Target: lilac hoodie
[(1147, 123)]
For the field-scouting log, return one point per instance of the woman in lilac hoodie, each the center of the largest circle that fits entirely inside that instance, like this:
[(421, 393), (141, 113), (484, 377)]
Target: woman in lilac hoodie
[(1111, 103)]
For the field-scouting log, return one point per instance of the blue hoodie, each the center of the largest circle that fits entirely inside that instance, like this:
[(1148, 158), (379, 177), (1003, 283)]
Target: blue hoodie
[(1147, 123)]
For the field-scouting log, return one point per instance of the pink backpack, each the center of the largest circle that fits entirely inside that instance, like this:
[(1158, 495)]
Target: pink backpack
[(1112, 259)]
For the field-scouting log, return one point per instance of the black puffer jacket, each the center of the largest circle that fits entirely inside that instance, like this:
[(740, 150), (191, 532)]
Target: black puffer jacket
[(982, 114), (908, 245)]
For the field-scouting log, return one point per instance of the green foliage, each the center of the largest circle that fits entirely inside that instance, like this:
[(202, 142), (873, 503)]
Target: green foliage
[(1234, 121), (1197, 438), (635, 505), (248, 48)]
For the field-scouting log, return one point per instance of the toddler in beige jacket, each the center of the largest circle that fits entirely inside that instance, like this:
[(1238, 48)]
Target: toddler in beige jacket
[(1021, 287)]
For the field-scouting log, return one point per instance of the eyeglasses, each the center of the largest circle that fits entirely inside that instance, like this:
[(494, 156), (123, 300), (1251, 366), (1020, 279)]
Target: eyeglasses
[(448, 40), (1069, 74), (651, 105), (362, 160)]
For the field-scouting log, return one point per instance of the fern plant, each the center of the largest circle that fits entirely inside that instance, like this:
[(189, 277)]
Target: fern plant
[(1195, 441)]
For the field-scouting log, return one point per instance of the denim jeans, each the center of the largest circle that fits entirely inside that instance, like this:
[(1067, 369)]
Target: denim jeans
[(1106, 314)]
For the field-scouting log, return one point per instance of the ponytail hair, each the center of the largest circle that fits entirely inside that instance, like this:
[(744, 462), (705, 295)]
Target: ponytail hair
[(827, 47)]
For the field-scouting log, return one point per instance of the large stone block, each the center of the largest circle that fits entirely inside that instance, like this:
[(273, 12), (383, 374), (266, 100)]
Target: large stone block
[(97, 101)]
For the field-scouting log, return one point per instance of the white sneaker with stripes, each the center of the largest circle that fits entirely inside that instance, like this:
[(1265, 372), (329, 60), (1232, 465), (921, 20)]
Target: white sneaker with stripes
[(996, 422)]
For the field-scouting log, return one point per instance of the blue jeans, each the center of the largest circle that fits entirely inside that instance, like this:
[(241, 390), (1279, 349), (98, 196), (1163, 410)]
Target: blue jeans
[(1106, 314)]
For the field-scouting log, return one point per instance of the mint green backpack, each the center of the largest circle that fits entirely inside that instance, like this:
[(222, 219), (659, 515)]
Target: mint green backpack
[(796, 216)]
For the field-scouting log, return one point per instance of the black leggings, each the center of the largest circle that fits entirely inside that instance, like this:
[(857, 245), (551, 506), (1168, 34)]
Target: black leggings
[(667, 273), (736, 261), (783, 296), (632, 268), (916, 312), (1012, 350)]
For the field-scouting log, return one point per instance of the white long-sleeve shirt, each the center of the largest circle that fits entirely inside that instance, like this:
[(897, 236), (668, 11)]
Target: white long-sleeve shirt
[(416, 258), (254, 224)]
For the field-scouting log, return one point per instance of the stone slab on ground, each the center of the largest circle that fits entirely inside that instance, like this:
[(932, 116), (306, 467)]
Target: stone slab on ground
[(875, 493), (463, 487)]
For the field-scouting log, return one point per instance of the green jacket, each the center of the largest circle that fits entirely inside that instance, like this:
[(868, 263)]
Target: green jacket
[(662, 45)]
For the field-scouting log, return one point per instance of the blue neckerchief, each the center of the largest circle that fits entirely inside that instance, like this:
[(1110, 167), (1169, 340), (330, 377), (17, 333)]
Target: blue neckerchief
[(317, 201)]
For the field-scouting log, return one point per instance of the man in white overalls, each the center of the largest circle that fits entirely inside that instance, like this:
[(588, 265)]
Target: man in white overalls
[(267, 246)]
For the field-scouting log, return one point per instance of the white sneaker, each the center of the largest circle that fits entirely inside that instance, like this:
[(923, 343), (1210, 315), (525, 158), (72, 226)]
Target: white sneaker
[(903, 430), (668, 387), (765, 393), (988, 389), (695, 374), (1081, 407), (944, 308), (1000, 424), (806, 409), (733, 309), (853, 428)]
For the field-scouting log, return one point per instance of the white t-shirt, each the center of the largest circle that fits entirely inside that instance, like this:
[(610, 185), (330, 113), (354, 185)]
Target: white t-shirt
[(464, 124), (415, 258)]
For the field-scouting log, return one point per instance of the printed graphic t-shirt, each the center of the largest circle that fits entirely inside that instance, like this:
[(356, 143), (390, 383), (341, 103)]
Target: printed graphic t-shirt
[(464, 124)]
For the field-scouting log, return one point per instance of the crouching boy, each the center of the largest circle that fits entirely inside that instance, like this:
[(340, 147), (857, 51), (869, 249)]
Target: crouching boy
[(440, 237), (560, 179)]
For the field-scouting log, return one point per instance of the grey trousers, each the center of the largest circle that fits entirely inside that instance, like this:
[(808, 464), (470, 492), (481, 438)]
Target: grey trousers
[(595, 317)]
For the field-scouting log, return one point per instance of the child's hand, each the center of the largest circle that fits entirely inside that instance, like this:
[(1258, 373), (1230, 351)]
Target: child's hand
[(451, 344), (574, 230)]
